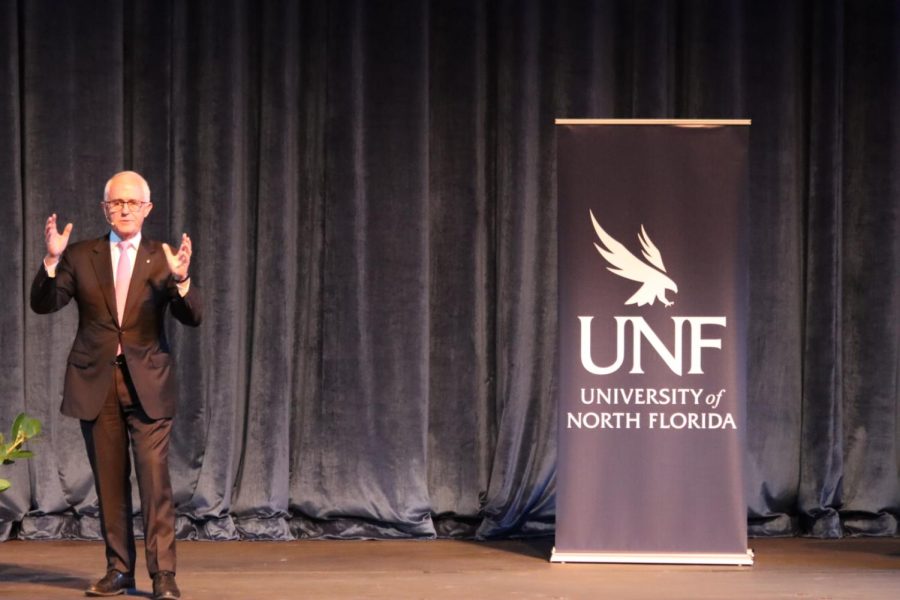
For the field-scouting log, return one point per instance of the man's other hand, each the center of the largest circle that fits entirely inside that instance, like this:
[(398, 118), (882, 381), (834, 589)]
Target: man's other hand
[(56, 241), (180, 261)]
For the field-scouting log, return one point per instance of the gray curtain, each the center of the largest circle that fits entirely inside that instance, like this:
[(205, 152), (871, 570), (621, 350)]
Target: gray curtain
[(370, 188)]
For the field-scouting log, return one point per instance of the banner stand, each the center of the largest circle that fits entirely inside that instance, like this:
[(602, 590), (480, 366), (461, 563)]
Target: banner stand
[(653, 311)]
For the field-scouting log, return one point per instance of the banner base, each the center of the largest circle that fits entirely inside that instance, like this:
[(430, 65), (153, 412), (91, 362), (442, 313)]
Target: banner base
[(661, 558)]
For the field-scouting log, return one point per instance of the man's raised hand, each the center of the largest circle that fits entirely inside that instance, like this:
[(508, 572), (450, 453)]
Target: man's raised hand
[(56, 241), (180, 261)]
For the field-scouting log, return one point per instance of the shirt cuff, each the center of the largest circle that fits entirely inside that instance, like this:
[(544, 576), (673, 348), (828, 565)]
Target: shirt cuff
[(183, 287), (51, 267)]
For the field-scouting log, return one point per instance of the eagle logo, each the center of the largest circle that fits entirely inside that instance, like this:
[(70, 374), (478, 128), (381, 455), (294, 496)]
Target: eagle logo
[(625, 264)]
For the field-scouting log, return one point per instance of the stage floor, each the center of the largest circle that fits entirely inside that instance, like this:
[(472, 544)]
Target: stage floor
[(867, 568)]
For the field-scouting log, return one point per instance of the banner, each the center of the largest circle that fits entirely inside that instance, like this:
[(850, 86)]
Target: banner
[(653, 322)]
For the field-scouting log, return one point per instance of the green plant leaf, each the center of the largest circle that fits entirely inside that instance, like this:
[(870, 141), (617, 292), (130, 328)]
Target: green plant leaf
[(23, 428), (17, 425), (28, 426), (32, 427)]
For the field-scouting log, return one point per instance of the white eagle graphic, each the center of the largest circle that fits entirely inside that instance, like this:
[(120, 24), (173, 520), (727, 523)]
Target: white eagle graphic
[(625, 264)]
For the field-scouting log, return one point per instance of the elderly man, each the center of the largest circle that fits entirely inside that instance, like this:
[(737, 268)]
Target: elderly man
[(119, 379)]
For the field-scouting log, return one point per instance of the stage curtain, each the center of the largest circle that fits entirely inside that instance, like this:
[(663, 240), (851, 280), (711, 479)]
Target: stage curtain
[(370, 189)]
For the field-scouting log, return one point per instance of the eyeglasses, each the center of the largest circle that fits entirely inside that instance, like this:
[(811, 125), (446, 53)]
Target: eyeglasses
[(116, 205)]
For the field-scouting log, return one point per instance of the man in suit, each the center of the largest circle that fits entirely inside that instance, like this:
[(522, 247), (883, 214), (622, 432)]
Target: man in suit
[(119, 380)]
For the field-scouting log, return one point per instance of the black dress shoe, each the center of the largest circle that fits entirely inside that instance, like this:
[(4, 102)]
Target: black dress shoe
[(112, 584), (164, 587)]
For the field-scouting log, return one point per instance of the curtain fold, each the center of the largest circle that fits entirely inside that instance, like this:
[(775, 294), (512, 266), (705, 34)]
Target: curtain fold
[(775, 62), (870, 247), (12, 335), (370, 189), (822, 447), (461, 264)]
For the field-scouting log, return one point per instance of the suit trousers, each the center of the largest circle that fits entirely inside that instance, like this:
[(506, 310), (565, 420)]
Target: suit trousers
[(121, 423)]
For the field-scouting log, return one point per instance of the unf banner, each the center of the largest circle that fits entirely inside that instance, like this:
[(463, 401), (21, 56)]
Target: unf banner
[(652, 358)]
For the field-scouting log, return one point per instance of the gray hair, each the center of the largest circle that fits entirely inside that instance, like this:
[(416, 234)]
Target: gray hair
[(145, 187)]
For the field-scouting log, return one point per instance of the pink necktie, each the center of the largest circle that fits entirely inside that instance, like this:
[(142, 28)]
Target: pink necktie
[(123, 278)]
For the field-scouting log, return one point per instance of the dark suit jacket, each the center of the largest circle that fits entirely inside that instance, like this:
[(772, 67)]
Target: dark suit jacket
[(85, 274)]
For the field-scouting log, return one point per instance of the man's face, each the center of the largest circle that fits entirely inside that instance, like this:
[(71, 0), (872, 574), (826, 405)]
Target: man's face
[(126, 207)]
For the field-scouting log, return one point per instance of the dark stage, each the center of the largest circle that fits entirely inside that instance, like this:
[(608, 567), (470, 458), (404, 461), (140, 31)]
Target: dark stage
[(867, 568)]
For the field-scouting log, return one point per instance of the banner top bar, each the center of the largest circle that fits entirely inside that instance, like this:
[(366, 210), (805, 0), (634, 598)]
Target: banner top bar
[(678, 122)]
